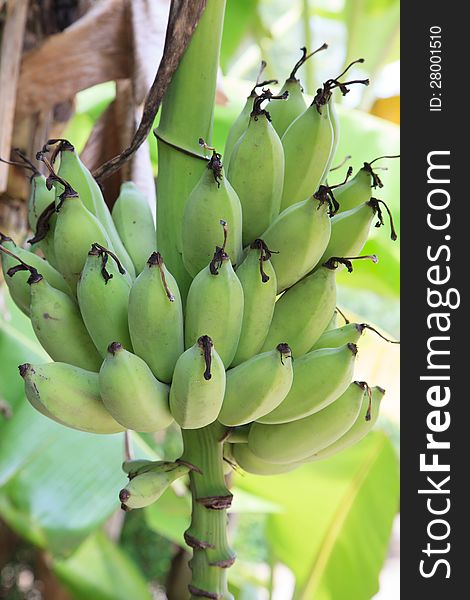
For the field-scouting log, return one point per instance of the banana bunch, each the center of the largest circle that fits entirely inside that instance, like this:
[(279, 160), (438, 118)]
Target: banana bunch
[(254, 346)]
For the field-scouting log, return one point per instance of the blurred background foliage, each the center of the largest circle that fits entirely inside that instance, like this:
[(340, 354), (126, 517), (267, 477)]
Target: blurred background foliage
[(321, 532)]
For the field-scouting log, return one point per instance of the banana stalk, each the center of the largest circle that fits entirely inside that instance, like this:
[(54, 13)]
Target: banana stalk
[(187, 115)]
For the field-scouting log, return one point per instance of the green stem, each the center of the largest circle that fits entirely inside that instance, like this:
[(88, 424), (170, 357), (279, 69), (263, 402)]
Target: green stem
[(187, 115), (309, 82), (207, 534)]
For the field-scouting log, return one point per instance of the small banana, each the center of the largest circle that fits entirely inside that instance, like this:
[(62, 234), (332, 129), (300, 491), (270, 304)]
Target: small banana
[(16, 274), (70, 394), (41, 196), (198, 386), (285, 113), (212, 200), (156, 318), (298, 440), (134, 222), (257, 386), (215, 306), (299, 237), (320, 377), (334, 338), (146, 488), (130, 392), (259, 283), (250, 463), (256, 171), (136, 466), (364, 423)]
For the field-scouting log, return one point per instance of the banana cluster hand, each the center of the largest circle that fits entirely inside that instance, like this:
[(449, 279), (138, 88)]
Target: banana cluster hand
[(254, 349)]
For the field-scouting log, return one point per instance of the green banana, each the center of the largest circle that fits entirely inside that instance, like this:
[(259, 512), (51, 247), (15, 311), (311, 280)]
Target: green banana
[(285, 113), (146, 488), (215, 306), (350, 229), (156, 318), (240, 125), (198, 386), (256, 171), (212, 200), (299, 237), (309, 143), (257, 386), (358, 189), (333, 324), (250, 463), (364, 423), (334, 338), (80, 179), (298, 440), (320, 377), (13, 264), (70, 394), (259, 283), (134, 223), (136, 466), (39, 199), (130, 392), (58, 326), (103, 296)]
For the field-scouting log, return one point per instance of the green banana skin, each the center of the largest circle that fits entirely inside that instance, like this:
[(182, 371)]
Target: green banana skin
[(155, 316), (257, 386), (354, 192), (285, 113), (364, 423), (333, 324), (58, 325), (103, 301), (212, 200), (256, 172), (239, 126), (335, 125), (198, 386), (130, 392), (299, 235), (79, 177), (308, 143), (39, 199), (18, 284), (303, 311), (259, 283), (250, 463), (334, 338), (70, 394), (75, 231), (134, 223), (146, 488), (138, 466), (298, 440), (320, 377), (215, 307)]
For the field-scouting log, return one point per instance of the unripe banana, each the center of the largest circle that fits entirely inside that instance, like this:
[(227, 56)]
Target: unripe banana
[(70, 394), (137, 466), (350, 229), (358, 189), (156, 318), (134, 222), (298, 440), (58, 326), (215, 307), (16, 276), (212, 200), (75, 231), (256, 171), (146, 488), (250, 463), (333, 324), (259, 283), (298, 238), (103, 296), (303, 311), (39, 199), (364, 423), (130, 392), (320, 377), (257, 386), (198, 386), (79, 177), (334, 338), (284, 113)]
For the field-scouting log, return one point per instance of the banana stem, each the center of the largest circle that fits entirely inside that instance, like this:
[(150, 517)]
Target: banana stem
[(207, 534)]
